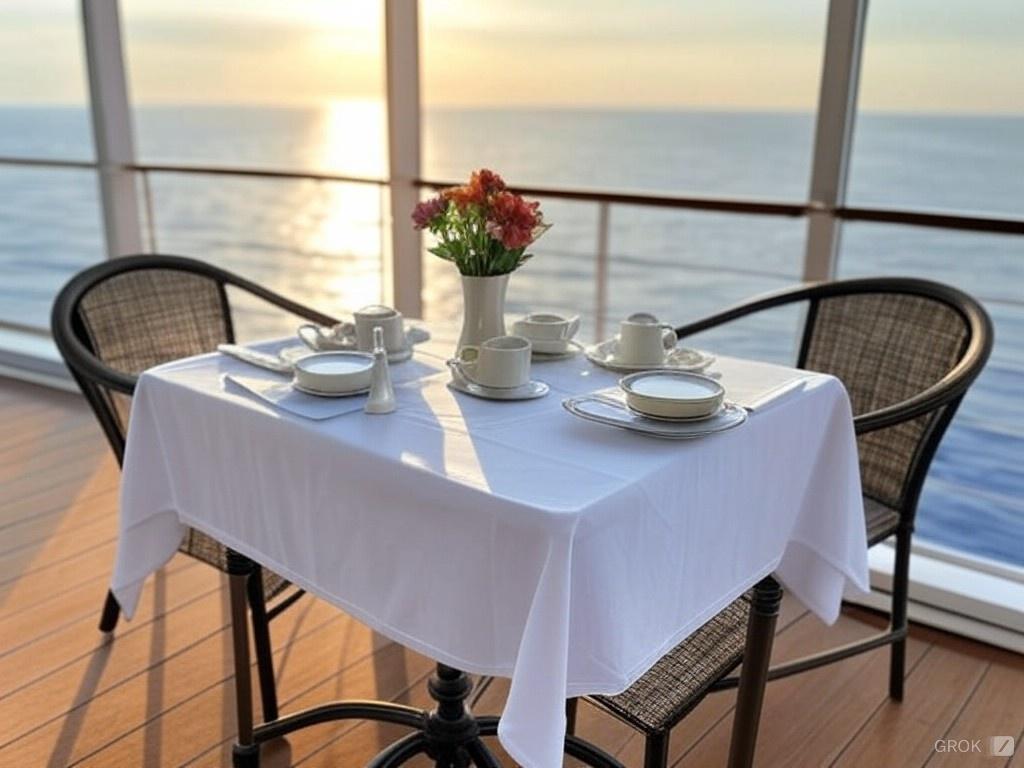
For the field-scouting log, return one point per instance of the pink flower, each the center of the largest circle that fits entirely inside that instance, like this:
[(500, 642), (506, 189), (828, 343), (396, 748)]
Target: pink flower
[(424, 214)]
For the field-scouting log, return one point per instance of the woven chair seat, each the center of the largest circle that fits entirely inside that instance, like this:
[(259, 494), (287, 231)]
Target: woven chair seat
[(881, 520), (209, 550), (678, 680)]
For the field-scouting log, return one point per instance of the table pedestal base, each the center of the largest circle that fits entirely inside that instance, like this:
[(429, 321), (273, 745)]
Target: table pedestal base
[(449, 734)]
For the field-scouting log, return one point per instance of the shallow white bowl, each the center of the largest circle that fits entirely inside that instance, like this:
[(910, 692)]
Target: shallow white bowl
[(672, 394), (333, 372)]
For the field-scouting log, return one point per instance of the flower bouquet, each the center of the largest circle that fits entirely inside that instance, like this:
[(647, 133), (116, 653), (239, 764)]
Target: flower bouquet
[(484, 229)]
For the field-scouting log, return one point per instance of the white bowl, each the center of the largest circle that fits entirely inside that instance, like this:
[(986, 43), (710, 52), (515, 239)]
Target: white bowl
[(672, 394), (333, 372)]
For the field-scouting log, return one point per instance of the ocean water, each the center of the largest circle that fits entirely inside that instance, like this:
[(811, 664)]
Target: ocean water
[(320, 242)]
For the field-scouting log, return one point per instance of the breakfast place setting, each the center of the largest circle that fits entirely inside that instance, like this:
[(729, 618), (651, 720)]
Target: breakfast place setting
[(469, 491)]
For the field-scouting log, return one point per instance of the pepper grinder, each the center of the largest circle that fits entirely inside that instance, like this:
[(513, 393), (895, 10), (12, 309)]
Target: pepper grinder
[(382, 394)]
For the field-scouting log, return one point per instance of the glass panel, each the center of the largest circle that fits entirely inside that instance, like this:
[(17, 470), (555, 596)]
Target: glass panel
[(43, 90), (50, 229), (296, 86), (972, 499), (941, 107), (684, 265), (662, 96), (661, 261), (318, 243), (50, 225)]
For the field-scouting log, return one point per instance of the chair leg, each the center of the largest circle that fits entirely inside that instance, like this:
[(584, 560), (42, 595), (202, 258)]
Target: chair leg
[(261, 641), (111, 613), (900, 596), (571, 705), (245, 753), (764, 611), (656, 750)]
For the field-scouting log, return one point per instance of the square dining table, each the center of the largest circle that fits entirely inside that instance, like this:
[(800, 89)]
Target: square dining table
[(503, 538)]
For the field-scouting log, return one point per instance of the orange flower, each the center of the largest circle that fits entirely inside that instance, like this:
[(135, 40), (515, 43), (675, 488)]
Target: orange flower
[(463, 196), (483, 184), (487, 181)]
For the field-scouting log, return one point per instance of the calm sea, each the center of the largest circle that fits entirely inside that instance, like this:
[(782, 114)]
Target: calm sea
[(320, 242)]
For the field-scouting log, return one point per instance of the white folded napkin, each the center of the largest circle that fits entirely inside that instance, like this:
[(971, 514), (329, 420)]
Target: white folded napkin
[(280, 394), (756, 385)]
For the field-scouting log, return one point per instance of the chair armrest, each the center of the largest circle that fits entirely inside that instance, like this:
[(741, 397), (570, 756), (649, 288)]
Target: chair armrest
[(280, 301), (936, 396), (93, 368), (757, 304)]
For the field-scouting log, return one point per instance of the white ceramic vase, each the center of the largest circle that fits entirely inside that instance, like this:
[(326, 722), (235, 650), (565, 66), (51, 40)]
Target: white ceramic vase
[(483, 309)]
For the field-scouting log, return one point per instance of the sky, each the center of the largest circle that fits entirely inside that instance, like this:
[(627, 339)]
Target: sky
[(920, 55)]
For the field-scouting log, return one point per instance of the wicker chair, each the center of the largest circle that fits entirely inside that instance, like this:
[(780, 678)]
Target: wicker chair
[(907, 350), (116, 319)]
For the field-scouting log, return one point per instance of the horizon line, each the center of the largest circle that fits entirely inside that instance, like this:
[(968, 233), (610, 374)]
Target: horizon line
[(632, 108)]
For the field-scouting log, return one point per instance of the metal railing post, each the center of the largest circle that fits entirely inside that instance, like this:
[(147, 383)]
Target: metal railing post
[(833, 136), (111, 126), (601, 271), (147, 198), (402, 258)]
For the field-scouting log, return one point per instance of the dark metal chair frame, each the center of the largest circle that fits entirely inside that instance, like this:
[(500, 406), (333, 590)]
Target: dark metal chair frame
[(449, 733), (95, 379), (939, 402)]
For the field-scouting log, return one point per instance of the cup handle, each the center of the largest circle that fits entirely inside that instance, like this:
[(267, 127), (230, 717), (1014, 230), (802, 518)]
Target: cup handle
[(669, 338), (310, 335), (458, 367), (573, 328), (473, 353)]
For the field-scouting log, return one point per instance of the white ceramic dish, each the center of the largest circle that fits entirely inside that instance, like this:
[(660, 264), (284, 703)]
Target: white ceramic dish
[(672, 394), (334, 372), (676, 420), (318, 393), (613, 413), (678, 359)]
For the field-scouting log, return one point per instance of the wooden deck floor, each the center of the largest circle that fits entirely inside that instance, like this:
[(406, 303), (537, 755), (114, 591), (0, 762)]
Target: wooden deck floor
[(158, 693)]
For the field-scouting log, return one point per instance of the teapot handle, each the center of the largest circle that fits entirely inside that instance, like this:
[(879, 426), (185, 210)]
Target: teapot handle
[(669, 338)]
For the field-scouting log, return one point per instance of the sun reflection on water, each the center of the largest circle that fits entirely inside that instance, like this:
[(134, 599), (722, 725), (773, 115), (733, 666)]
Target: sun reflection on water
[(341, 220)]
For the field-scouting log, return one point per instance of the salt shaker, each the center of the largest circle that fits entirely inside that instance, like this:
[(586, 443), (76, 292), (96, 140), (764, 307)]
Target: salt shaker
[(382, 394)]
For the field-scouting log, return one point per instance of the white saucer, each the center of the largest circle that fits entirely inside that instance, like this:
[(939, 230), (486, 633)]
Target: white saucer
[(555, 347), (600, 409), (529, 391), (572, 348), (320, 393), (678, 359)]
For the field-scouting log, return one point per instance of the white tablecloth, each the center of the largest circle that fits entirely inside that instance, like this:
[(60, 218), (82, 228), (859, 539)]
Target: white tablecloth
[(503, 538)]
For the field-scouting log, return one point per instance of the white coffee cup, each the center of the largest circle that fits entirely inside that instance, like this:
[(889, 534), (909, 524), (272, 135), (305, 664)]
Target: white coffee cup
[(643, 340), (502, 362), (387, 319), (366, 319)]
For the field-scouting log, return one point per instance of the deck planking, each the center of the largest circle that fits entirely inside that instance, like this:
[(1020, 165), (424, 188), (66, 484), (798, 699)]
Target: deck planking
[(159, 692)]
